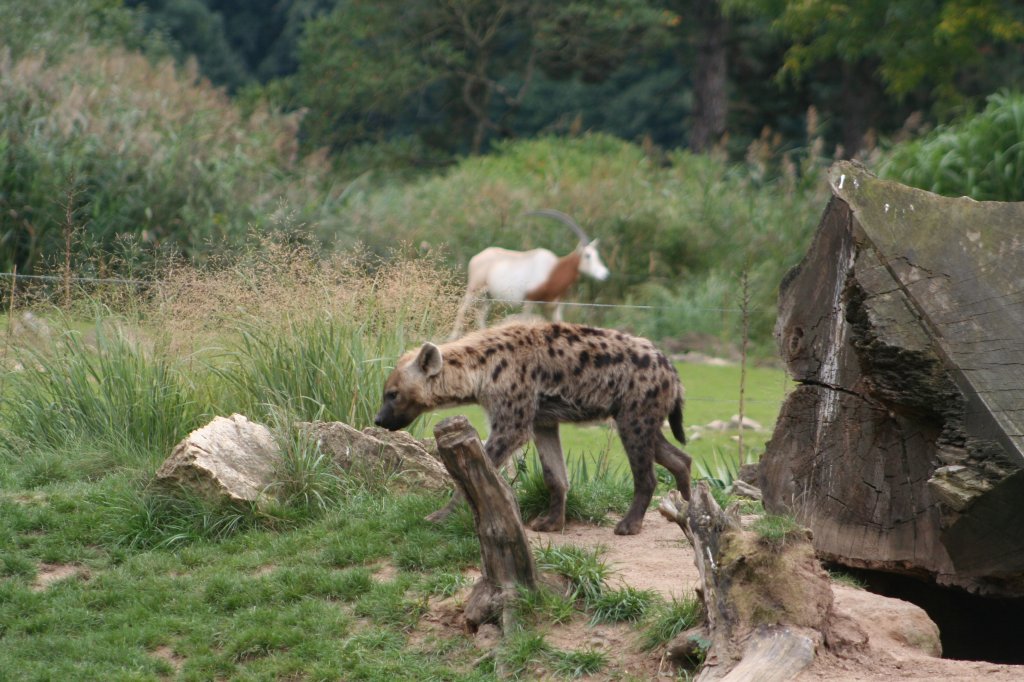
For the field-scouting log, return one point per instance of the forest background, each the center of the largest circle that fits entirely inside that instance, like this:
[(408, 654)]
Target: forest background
[(688, 135)]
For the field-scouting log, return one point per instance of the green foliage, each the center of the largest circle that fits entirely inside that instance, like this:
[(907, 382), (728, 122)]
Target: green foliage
[(523, 649), (719, 469), (543, 605), (915, 43), (691, 227), (57, 27), (307, 480), (310, 369), (387, 604), (160, 519), (448, 76), (578, 663), (981, 156), (445, 584), (95, 392), (138, 152)]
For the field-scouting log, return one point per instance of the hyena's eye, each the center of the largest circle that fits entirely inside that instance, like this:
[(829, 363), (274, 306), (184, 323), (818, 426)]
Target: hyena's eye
[(390, 395)]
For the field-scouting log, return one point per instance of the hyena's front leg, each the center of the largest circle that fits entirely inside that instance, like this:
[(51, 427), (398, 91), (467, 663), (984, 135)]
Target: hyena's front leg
[(552, 463), (500, 445)]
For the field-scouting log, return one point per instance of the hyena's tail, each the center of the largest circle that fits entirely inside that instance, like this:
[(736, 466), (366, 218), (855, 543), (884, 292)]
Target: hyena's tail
[(675, 420)]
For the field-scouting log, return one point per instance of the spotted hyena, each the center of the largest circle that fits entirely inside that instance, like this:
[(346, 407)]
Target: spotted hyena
[(531, 377)]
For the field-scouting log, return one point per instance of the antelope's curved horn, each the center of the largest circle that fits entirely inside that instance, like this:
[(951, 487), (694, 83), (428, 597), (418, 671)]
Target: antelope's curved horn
[(562, 218)]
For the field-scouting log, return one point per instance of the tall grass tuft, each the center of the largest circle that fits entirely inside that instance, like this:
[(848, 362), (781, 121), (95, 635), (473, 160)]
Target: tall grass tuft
[(596, 487), (97, 389), (666, 621), (322, 368), (587, 574), (150, 518), (307, 482)]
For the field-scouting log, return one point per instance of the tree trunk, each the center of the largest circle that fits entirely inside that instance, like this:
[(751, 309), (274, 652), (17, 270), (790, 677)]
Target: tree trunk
[(769, 604), (710, 99), (506, 559), (902, 448), (857, 101)]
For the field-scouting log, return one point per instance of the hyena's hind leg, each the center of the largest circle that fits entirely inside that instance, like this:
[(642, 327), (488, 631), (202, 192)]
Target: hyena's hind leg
[(639, 439), (677, 462), (552, 463)]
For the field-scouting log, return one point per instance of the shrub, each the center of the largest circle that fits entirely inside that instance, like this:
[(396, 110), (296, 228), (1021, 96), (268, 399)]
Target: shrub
[(675, 236), (137, 148), (980, 156)]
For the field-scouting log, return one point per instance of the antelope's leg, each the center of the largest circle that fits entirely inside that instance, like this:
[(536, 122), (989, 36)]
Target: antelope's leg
[(557, 315), (482, 312), (460, 316)]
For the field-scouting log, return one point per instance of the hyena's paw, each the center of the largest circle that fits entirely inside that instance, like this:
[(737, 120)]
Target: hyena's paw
[(548, 524), (629, 527)]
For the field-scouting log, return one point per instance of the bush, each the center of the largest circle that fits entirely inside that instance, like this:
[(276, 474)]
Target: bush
[(675, 236), (142, 151), (981, 156)]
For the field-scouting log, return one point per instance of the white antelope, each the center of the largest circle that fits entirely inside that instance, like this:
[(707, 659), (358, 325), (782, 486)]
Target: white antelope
[(537, 275)]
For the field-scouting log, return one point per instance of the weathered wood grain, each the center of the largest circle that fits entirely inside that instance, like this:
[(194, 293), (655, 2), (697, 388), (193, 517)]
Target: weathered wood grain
[(506, 559), (903, 446)]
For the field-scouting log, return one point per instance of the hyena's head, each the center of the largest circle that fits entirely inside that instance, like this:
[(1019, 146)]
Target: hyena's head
[(407, 392)]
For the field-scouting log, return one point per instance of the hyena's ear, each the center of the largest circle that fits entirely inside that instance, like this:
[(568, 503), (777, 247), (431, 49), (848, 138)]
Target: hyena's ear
[(429, 360)]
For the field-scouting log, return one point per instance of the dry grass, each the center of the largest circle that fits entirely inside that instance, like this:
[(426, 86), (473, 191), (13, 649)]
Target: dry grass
[(280, 282)]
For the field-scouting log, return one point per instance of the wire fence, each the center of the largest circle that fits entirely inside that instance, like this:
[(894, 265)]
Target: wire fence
[(13, 278)]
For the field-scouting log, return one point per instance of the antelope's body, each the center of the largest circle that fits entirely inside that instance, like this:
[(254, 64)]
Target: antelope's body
[(531, 377), (534, 276)]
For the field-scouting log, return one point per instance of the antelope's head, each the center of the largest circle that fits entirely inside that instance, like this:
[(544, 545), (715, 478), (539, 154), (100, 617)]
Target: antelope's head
[(590, 262)]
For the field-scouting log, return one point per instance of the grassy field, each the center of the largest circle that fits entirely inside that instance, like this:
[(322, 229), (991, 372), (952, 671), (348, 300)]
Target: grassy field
[(105, 576)]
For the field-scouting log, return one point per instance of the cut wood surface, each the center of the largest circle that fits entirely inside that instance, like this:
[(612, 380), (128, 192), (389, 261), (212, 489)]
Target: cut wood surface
[(506, 559), (902, 447)]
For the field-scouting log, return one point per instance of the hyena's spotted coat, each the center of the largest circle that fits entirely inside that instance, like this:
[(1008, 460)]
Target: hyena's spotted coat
[(531, 377)]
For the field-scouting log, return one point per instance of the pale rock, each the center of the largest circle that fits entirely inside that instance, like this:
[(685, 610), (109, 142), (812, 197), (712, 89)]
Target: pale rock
[(231, 457)]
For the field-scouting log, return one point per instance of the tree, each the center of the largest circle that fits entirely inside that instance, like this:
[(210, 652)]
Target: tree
[(452, 74), (890, 47), (702, 29)]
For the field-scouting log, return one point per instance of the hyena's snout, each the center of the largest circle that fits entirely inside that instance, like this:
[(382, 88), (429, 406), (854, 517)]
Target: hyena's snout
[(391, 419)]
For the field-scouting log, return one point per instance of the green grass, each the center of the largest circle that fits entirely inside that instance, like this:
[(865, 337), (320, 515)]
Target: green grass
[(666, 621), (775, 529), (330, 580)]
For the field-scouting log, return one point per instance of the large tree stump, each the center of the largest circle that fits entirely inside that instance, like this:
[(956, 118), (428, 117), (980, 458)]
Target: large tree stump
[(506, 559), (902, 448), (769, 605)]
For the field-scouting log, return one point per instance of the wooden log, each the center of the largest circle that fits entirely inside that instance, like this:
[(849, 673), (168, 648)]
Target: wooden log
[(768, 606), (506, 559), (902, 447)]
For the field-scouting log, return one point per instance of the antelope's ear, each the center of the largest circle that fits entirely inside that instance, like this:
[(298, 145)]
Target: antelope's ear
[(429, 360)]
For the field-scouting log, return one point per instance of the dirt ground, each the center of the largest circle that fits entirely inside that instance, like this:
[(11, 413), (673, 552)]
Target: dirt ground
[(902, 640)]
